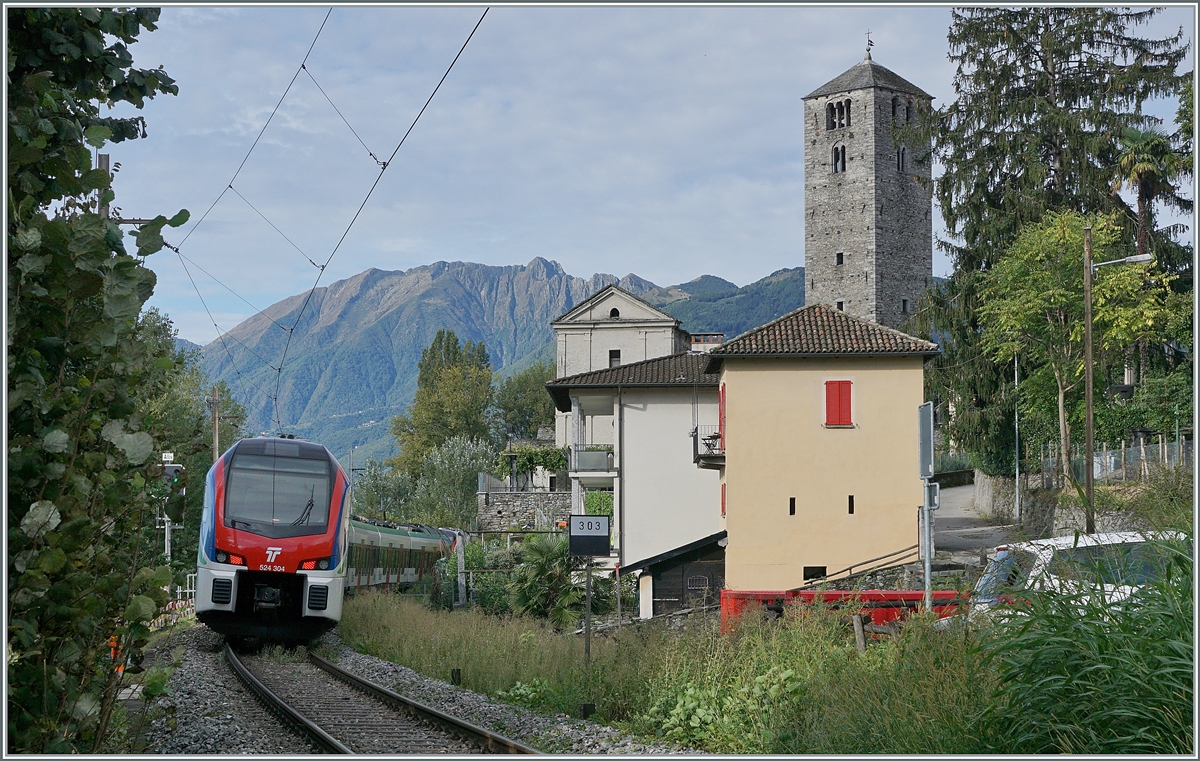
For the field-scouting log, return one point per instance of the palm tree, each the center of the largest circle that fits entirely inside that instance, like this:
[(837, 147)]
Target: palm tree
[(1150, 164)]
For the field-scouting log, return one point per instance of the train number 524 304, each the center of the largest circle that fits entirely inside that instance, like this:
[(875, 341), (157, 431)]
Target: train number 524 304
[(267, 567)]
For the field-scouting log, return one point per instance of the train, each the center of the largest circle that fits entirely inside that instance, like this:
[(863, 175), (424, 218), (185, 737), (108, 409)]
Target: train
[(279, 548)]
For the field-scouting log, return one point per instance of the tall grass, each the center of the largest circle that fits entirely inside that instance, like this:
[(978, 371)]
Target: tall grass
[(1079, 674), (496, 653)]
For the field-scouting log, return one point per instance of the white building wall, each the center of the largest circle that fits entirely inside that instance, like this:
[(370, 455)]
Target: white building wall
[(668, 501)]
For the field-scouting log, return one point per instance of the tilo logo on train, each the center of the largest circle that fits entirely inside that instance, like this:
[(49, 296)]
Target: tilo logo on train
[(588, 535)]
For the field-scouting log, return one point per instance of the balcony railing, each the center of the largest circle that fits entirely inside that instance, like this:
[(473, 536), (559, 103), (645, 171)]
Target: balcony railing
[(707, 443), (601, 461)]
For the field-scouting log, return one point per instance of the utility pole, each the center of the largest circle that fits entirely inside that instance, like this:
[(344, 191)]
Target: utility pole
[(1089, 514), (1017, 436)]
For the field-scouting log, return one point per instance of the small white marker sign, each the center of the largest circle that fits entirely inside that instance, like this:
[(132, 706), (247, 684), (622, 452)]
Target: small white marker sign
[(168, 457)]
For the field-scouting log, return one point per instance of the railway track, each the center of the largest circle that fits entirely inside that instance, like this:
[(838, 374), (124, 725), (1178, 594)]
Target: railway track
[(343, 713)]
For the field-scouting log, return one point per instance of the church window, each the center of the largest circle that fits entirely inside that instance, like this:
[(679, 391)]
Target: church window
[(908, 111), (903, 306), (841, 114), (614, 357), (839, 158), (847, 113), (901, 159), (895, 107), (838, 258), (830, 117), (614, 313)]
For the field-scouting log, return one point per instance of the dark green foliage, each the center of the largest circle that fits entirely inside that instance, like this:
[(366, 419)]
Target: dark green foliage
[(733, 313), (548, 584), (1042, 95), (80, 561), (1079, 675), (522, 459), (454, 392), (522, 403)]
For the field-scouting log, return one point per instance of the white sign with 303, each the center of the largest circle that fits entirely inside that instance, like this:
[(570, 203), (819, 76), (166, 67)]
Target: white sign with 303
[(589, 525)]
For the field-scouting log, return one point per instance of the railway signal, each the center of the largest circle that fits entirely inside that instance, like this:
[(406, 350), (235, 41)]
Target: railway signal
[(176, 478)]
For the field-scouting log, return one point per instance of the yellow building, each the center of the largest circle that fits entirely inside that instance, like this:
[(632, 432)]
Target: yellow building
[(816, 446)]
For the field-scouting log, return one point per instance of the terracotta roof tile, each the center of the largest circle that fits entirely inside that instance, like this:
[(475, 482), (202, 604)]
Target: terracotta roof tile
[(684, 369), (818, 330)]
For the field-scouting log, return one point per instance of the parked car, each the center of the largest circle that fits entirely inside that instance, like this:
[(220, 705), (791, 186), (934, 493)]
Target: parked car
[(1116, 563)]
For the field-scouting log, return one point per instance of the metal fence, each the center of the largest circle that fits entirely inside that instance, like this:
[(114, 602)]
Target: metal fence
[(1116, 464)]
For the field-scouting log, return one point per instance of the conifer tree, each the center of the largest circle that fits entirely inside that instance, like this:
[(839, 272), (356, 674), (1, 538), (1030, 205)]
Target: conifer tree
[(1042, 95)]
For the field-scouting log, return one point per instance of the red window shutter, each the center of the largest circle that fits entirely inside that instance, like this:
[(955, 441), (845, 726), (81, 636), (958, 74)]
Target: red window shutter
[(721, 415), (844, 404), (837, 403)]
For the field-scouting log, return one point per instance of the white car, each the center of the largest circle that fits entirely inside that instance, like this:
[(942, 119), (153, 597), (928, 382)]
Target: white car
[(1118, 563)]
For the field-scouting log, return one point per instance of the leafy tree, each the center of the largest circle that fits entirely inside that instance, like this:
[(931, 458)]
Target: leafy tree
[(454, 392), (1032, 303), (79, 568), (383, 493), (1041, 96), (445, 494), (522, 404)]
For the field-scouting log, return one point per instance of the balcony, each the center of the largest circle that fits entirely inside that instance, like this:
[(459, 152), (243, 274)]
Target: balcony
[(594, 461), (708, 447)]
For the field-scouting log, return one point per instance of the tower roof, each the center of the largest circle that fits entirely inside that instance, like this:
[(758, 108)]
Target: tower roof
[(864, 75)]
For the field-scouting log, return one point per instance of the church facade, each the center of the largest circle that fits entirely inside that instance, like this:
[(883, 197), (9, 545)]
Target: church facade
[(868, 210)]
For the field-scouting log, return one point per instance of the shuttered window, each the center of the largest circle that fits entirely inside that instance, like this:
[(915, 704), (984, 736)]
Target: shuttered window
[(837, 403)]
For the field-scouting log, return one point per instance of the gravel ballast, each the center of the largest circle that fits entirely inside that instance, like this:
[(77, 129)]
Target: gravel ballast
[(207, 710)]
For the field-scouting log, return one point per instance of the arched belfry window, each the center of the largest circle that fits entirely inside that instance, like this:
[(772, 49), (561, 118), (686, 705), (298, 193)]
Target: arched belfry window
[(614, 313), (895, 107), (839, 158), (830, 117), (908, 112), (901, 159), (847, 113), (841, 114)]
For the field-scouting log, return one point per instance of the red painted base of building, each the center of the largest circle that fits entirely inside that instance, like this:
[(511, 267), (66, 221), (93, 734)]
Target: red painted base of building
[(880, 605)]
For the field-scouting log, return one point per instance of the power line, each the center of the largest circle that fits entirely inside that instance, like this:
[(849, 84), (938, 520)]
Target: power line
[(339, 113), (235, 293), (383, 168), (273, 227), (246, 158)]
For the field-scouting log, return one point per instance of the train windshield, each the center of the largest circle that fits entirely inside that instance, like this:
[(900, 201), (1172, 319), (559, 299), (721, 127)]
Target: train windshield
[(279, 489)]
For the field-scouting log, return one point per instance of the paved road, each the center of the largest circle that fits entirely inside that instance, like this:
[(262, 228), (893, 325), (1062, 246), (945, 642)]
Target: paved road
[(958, 528)]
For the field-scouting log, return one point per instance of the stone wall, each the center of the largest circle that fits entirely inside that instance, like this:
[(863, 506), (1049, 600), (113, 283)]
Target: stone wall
[(528, 510)]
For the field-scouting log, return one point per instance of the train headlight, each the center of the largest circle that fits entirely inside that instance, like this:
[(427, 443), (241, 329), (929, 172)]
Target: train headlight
[(222, 557), (323, 564)]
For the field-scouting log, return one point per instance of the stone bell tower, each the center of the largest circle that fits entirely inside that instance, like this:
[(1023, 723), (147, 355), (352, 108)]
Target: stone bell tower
[(868, 219)]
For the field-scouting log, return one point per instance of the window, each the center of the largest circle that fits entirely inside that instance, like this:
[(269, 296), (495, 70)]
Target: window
[(830, 117), (847, 113), (841, 306), (837, 403), (903, 306), (614, 357), (895, 107), (841, 114), (901, 159), (814, 572), (697, 583), (614, 313), (839, 158), (908, 111), (791, 505), (851, 504), (838, 258)]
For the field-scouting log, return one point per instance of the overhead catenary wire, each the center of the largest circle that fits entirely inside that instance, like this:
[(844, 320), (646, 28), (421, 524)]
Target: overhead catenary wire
[(339, 113), (235, 293), (383, 168), (276, 229)]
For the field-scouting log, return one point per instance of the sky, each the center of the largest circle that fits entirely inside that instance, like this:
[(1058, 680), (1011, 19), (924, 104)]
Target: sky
[(660, 141)]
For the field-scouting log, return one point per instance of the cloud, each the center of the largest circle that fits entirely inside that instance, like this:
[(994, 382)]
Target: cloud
[(664, 141)]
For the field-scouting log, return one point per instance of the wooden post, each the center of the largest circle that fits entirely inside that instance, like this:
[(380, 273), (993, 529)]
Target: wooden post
[(860, 639)]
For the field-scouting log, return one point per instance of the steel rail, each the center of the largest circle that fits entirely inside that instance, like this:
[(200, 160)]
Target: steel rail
[(488, 740), (279, 707)]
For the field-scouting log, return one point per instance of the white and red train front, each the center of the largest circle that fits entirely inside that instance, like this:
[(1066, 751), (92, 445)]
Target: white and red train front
[(273, 540)]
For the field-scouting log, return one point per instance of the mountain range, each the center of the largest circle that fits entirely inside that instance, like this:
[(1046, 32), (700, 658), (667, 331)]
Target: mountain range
[(352, 358)]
